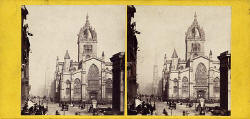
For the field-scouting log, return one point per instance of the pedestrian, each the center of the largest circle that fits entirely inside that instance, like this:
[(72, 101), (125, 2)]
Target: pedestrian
[(165, 112), (57, 112), (154, 108)]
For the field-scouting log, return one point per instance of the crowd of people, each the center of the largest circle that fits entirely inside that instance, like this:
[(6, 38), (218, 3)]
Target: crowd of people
[(34, 110), (145, 108), (91, 107), (145, 105)]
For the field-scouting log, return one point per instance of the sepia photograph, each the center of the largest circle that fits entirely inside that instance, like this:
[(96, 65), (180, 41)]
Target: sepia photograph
[(179, 60), (73, 59)]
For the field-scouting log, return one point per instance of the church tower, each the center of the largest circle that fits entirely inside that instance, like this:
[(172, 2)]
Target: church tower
[(87, 42), (195, 39)]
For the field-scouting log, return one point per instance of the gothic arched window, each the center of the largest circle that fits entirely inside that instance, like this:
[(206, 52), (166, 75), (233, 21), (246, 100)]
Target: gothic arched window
[(57, 82), (185, 85), (108, 87), (216, 85), (198, 47), (201, 75), (77, 87), (93, 77), (68, 87), (176, 86)]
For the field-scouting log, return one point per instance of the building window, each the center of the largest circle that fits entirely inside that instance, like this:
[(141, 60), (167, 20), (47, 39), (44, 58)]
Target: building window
[(77, 87), (185, 85), (176, 86), (93, 78), (57, 85), (216, 85), (87, 48), (201, 75), (109, 87), (195, 47), (67, 87)]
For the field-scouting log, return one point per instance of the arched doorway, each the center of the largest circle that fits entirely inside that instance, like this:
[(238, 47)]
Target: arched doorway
[(201, 94), (93, 82)]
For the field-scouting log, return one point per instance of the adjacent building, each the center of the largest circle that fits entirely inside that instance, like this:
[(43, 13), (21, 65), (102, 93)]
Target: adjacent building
[(118, 61), (225, 80), (197, 75), (88, 78), (25, 47), (132, 46)]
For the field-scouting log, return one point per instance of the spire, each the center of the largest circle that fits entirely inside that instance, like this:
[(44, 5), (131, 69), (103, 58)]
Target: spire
[(195, 16), (67, 55), (174, 55), (87, 20), (57, 58), (210, 53)]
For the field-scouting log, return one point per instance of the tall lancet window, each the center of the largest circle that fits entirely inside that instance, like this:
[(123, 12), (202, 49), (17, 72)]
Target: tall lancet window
[(201, 75), (93, 78), (185, 86), (77, 87), (216, 85), (176, 87), (67, 87)]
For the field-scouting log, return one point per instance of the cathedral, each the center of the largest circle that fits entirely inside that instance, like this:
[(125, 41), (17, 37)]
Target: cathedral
[(88, 78), (198, 75)]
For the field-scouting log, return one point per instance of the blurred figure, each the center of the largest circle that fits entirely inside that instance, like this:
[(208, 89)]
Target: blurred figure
[(57, 112)]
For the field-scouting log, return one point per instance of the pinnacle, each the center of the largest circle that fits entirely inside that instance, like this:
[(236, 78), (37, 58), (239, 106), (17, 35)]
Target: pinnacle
[(174, 55), (67, 55)]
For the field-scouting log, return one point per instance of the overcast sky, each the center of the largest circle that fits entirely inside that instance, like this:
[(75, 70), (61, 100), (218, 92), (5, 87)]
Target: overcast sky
[(55, 30), (163, 29)]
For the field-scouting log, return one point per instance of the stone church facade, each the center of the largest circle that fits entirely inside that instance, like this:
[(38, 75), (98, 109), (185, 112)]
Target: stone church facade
[(88, 78), (196, 76)]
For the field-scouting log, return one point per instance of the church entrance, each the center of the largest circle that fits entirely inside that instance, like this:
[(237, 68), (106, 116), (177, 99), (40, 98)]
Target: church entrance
[(93, 95), (201, 94)]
